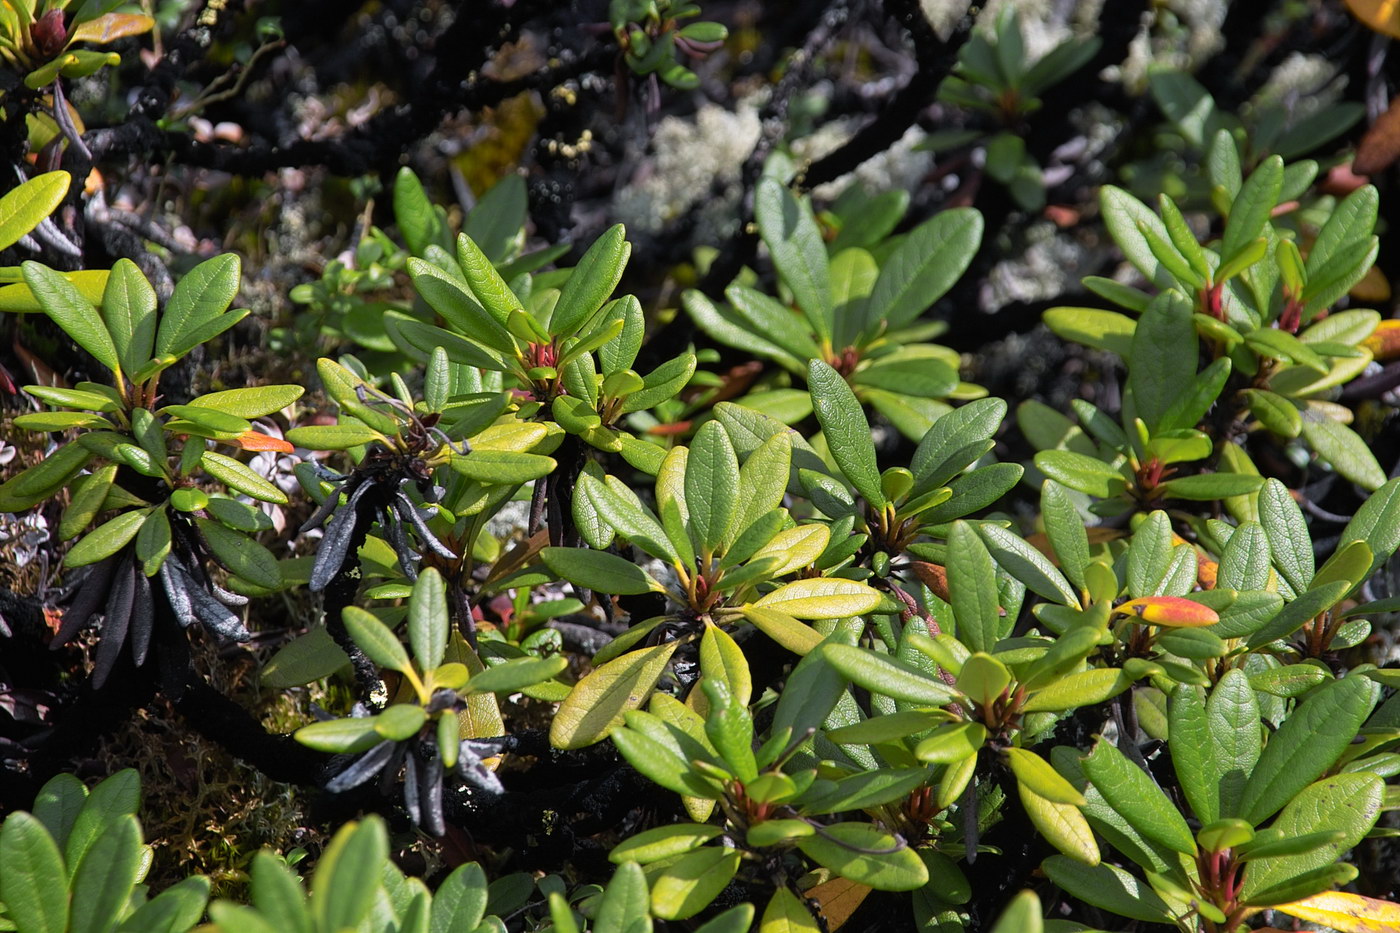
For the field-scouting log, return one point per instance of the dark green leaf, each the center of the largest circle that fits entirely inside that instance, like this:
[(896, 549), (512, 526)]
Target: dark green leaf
[(847, 431)]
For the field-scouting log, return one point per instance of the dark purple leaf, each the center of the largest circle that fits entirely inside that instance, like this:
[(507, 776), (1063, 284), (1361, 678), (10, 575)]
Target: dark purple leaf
[(362, 768)]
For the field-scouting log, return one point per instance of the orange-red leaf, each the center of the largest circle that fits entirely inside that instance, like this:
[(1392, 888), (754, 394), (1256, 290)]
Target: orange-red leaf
[(254, 440), (1349, 913), (111, 27), (1384, 342), (1172, 611), (838, 899)]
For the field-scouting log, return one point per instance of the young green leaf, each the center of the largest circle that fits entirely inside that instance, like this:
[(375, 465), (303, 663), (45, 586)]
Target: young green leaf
[(72, 312), (129, 308), (376, 639), (794, 241), (199, 298), (928, 260), (428, 622), (591, 281)]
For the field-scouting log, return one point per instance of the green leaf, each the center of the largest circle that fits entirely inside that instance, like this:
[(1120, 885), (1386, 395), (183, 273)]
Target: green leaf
[(1207, 487), (176, 909), (721, 658), (975, 491), (885, 675), (846, 849), (794, 241), (304, 660), (459, 903), (1163, 362), (919, 377), (116, 797), (106, 540), (104, 879), (1346, 803), (1275, 413), (598, 570), (847, 431), (1027, 565), (449, 298), (253, 402), (954, 442), (1249, 215), (951, 743), (1022, 915), (1348, 454), (34, 884), (660, 761), (414, 213), (277, 894), (503, 467), (773, 321), (1307, 606), (1289, 540), (1079, 472), (27, 206), (653, 845), (129, 308), (1350, 222), (241, 478), (688, 885), (972, 589), (199, 298), (599, 701), (591, 282), (516, 674), (1109, 888), (1122, 214), (1133, 793), (58, 804), (376, 639), (1377, 523), (1093, 327), (625, 902), (785, 914), (711, 486), (339, 736), (348, 876), (428, 622), (1068, 537), (928, 260), (241, 554), (1306, 745), (495, 222), (72, 312)]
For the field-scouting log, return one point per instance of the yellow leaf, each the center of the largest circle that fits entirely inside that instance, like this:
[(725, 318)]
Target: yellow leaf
[(1062, 825), (111, 27), (598, 701), (798, 547), (1349, 913), (1381, 15)]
